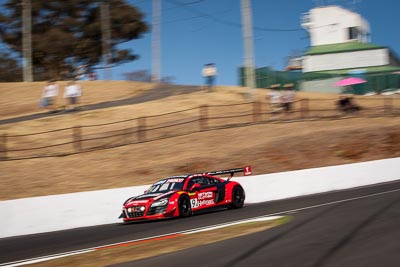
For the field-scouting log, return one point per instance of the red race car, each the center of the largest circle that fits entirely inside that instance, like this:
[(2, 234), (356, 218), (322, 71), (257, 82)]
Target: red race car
[(182, 195)]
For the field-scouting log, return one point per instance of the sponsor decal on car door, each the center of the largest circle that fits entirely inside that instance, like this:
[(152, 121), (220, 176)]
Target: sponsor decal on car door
[(203, 199)]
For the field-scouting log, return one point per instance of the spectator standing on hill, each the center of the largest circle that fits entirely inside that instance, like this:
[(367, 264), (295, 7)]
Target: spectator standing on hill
[(275, 99), (72, 92), (209, 72), (347, 104), (92, 76), (49, 96), (288, 97)]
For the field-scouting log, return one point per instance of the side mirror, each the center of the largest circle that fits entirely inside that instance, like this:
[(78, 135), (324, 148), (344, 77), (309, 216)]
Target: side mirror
[(195, 187)]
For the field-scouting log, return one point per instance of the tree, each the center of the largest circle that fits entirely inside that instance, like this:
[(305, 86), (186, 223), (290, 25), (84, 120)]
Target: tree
[(10, 71), (67, 35)]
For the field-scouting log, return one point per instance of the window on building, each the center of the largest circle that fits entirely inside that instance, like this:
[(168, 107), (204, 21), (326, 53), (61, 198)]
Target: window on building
[(353, 33)]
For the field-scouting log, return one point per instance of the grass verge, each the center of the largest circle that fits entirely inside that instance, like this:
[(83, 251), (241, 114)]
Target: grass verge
[(141, 250)]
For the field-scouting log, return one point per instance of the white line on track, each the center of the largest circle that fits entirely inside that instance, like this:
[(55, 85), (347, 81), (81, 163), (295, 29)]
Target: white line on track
[(270, 216), (45, 258)]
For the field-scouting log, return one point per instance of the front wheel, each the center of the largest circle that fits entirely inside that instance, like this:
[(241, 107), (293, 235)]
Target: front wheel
[(237, 197), (184, 206)]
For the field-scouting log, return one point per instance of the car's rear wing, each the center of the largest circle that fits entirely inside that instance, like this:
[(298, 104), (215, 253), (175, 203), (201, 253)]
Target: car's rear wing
[(246, 171)]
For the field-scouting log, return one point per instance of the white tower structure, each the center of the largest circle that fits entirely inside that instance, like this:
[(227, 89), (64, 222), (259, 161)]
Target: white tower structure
[(334, 24)]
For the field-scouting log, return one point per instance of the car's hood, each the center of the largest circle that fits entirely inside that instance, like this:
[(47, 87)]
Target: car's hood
[(146, 198)]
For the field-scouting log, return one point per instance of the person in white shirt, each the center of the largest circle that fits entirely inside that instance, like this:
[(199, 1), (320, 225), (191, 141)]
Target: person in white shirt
[(275, 100), (49, 96), (72, 92), (209, 72), (288, 97)]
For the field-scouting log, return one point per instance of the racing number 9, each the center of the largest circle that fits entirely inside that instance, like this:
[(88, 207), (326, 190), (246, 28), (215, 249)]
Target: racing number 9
[(194, 202)]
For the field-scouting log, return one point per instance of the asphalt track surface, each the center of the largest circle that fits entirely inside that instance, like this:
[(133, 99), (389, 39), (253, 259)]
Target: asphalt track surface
[(158, 92), (330, 229)]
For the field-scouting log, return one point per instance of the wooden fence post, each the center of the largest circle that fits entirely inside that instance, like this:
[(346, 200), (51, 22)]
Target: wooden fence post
[(141, 129), (304, 107), (3, 147), (388, 105), (256, 111), (127, 135), (77, 137), (203, 117)]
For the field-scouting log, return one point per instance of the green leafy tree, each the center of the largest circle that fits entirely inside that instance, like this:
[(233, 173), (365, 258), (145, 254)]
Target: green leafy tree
[(67, 35)]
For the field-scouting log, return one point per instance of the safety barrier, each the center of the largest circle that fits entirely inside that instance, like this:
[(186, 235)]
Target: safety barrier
[(66, 211)]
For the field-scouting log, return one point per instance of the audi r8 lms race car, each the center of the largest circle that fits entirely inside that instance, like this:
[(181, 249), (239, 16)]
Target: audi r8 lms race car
[(182, 195)]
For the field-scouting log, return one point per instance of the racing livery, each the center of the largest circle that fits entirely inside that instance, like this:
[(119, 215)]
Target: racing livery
[(182, 195)]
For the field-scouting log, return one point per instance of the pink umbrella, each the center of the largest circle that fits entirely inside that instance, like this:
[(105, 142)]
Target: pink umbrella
[(350, 81)]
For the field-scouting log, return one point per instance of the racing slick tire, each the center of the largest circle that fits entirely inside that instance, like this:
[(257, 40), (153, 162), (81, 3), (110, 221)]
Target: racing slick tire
[(237, 197), (184, 206)]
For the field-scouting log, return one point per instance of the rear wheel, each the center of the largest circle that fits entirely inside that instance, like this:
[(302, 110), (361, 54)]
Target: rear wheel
[(185, 209), (237, 197)]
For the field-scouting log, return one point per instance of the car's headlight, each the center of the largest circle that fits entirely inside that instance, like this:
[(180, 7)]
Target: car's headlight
[(136, 209), (161, 202)]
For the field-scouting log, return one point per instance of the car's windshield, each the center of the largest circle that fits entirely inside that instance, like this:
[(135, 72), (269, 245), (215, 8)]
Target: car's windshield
[(166, 185)]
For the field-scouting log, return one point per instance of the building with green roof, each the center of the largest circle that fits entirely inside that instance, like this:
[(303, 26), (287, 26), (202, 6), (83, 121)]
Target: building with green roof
[(340, 47)]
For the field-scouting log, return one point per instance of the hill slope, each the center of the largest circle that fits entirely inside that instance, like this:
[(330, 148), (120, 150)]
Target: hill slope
[(269, 147)]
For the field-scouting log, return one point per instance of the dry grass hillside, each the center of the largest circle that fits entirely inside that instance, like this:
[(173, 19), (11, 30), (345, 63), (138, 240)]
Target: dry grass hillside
[(17, 99), (267, 147)]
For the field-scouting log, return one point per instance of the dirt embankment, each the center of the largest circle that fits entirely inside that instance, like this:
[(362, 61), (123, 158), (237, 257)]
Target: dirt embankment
[(269, 147)]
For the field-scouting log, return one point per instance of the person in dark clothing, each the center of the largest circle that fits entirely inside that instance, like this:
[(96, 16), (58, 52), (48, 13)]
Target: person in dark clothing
[(347, 105)]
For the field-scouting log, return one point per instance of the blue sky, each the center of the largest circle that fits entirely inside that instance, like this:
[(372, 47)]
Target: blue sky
[(189, 41), (202, 31)]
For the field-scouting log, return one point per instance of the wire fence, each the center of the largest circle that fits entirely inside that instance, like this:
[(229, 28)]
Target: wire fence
[(84, 138)]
